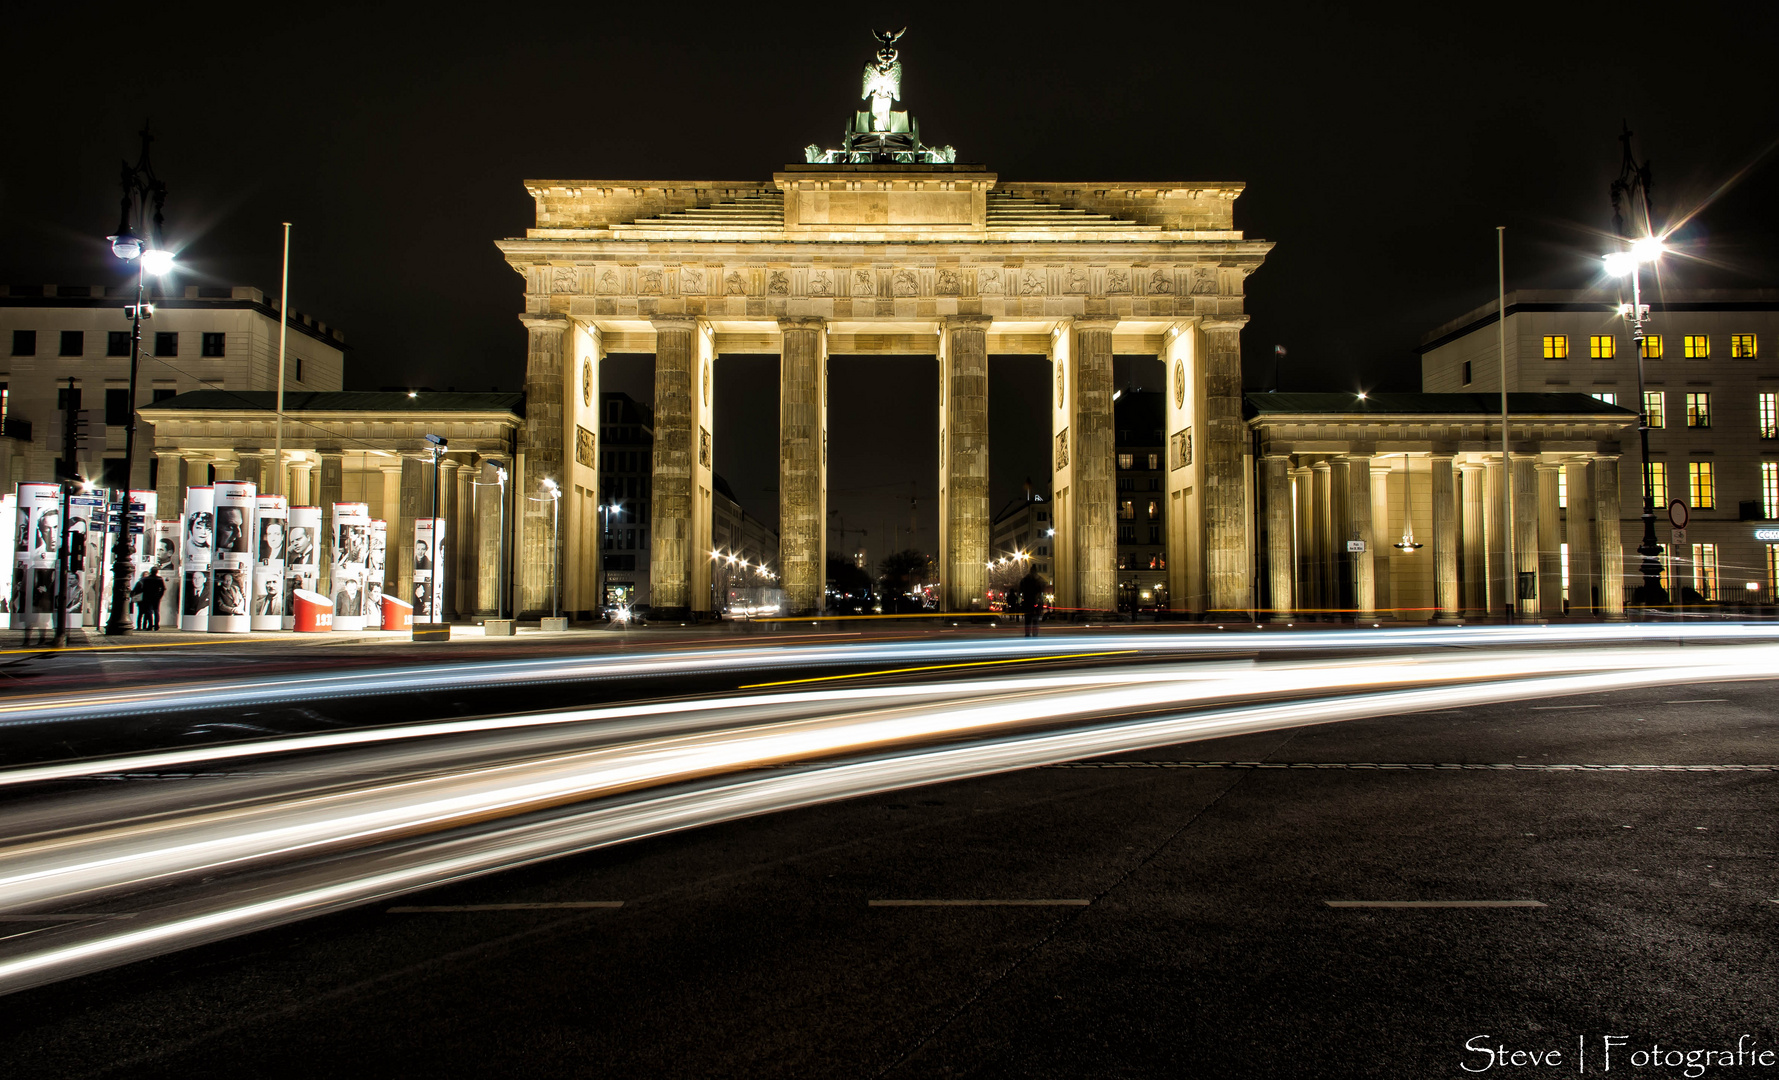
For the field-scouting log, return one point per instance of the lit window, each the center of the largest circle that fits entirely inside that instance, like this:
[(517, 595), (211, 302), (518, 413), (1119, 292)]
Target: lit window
[(1769, 484), (1705, 570), (1562, 489), (1652, 347), (1772, 570), (1698, 410), (1658, 483), (1769, 416), (1565, 554), (6, 405), (1556, 347), (1154, 509), (1125, 461), (1155, 461), (1704, 484), (1127, 509), (1698, 346), (1607, 396), (1742, 346), (1654, 415), (1602, 346)]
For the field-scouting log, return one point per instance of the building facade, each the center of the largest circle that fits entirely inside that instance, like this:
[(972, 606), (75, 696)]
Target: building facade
[(626, 468), (1711, 398), (199, 337), (1142, 471)]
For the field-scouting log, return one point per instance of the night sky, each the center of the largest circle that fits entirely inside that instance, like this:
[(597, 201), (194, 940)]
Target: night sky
[(1380, 149)]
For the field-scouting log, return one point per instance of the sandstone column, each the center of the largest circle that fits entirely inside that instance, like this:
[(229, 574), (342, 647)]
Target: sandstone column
[(1321, 518), (546, 355), (1495, 515), (1445, 537), (1092, 450), (463, 520), (303, 486), (1525, 533), (389, 510), (224, 467), (1380, 528), (169, 492), (963, 460), (250, 469), (802, 463), (670, 512), (1584, 574), (444, 560), (1337, 530), (1224, 443), (1475, 593), (1359, 516), (1550, 549), (1303, 480), (1277, 471), (1606, 535), (488, 538)]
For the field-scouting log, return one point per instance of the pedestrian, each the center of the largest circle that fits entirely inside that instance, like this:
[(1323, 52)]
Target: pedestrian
[(1031, 601), (153, 588)]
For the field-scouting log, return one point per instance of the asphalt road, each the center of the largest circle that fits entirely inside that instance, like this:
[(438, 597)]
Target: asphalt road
[(1197, 939)]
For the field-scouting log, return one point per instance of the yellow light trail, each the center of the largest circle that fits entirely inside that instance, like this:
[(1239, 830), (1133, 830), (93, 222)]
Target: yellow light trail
[(935, 667)]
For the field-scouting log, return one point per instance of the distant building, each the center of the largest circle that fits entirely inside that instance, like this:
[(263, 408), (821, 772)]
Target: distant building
[(1711, 394), (1024, 532), (199, 338), (744, 554), (628, 436), (1142, 549)]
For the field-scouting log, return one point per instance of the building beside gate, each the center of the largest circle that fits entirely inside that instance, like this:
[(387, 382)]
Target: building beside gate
[(1711, 394)]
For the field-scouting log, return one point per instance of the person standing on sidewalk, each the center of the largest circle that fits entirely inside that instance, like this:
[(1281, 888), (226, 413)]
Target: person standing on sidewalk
[(148, 607), (1031, 601)]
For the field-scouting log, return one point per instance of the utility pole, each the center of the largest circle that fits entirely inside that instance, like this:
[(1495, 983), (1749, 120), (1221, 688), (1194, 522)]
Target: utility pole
[(70, 443)]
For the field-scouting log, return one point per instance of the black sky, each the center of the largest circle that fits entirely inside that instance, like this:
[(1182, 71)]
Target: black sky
[(1380, 146)]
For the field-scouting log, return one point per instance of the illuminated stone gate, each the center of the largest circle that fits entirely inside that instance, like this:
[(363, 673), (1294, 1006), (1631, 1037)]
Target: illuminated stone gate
[(886, 246)]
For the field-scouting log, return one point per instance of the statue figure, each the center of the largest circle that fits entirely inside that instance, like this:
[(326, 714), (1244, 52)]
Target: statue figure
[(883, 79)]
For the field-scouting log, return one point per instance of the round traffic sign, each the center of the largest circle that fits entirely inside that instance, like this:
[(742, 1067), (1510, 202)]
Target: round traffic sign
[(1677, 513)]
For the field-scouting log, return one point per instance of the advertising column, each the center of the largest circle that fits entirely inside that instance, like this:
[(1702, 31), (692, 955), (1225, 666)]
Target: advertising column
[(302, 557), (373, 586), (198, 548), (352, 552), (40, 532), (429, 535), (86, 533), (231, 562), (166, 568), (268, 564)]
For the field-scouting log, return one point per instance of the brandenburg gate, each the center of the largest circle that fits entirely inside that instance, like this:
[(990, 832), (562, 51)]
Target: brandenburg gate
[(887, 246)]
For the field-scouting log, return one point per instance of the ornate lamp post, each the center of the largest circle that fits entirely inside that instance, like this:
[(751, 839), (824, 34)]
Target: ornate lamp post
[(141, 190), (1634, 181)]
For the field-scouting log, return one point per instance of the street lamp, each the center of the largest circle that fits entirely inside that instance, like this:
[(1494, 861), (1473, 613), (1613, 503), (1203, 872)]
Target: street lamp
[(435, 601), (1633, 179), (141, 189), (555, 547)]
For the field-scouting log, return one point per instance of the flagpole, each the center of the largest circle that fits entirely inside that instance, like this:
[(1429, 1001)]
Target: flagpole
[(283, 330)]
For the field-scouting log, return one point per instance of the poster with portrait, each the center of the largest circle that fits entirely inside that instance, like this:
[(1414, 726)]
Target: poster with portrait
[(302, 557), (429, 537), (374, 575), (164, 564), (351, 562), (38, 537), (231, 559), (88, 523), (198, 547), (268, 563), (139, 553)]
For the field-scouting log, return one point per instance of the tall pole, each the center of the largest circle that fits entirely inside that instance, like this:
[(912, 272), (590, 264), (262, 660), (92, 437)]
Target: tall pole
[(1511, 569), (438, 547), (69, 442), (1633, 181), (283, 329), (117, 623)]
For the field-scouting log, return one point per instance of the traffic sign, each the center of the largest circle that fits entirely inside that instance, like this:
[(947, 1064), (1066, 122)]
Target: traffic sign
[(1678, 514), (1678, 536), (1355, 545)]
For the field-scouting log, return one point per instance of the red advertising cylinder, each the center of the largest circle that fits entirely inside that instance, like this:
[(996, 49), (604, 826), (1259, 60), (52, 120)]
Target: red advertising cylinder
[(398, 614), (314, 612)]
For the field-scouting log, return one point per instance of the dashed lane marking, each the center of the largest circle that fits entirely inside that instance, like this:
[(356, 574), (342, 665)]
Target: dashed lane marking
[(1504, 766), (1431, 903), (414, 909), (980, 903)]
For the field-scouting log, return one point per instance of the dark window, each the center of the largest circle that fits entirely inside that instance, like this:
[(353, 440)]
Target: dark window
[(1127, 534), (63, 394), (117, 408), (24, 343), (1154, 538), (166, 343), (73, 343), (299, 372), (1466, 373), (117, 343), (154, 472), (111, 473), (213, 344), (162, 393)]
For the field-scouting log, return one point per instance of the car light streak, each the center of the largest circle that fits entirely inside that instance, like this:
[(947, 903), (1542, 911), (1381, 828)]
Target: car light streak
[(386, 837)]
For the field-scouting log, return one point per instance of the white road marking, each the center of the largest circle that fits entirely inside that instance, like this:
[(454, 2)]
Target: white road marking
[(980, 903), (1431, 903), (1553, 708), (1695, 701), (423, 908)]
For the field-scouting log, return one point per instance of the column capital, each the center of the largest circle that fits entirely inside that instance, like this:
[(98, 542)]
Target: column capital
[(1471, 466), (1548, 466), (802, 322), (1090, 323), (1223, 322), (965, 322), (688, 323), (547, 320)]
